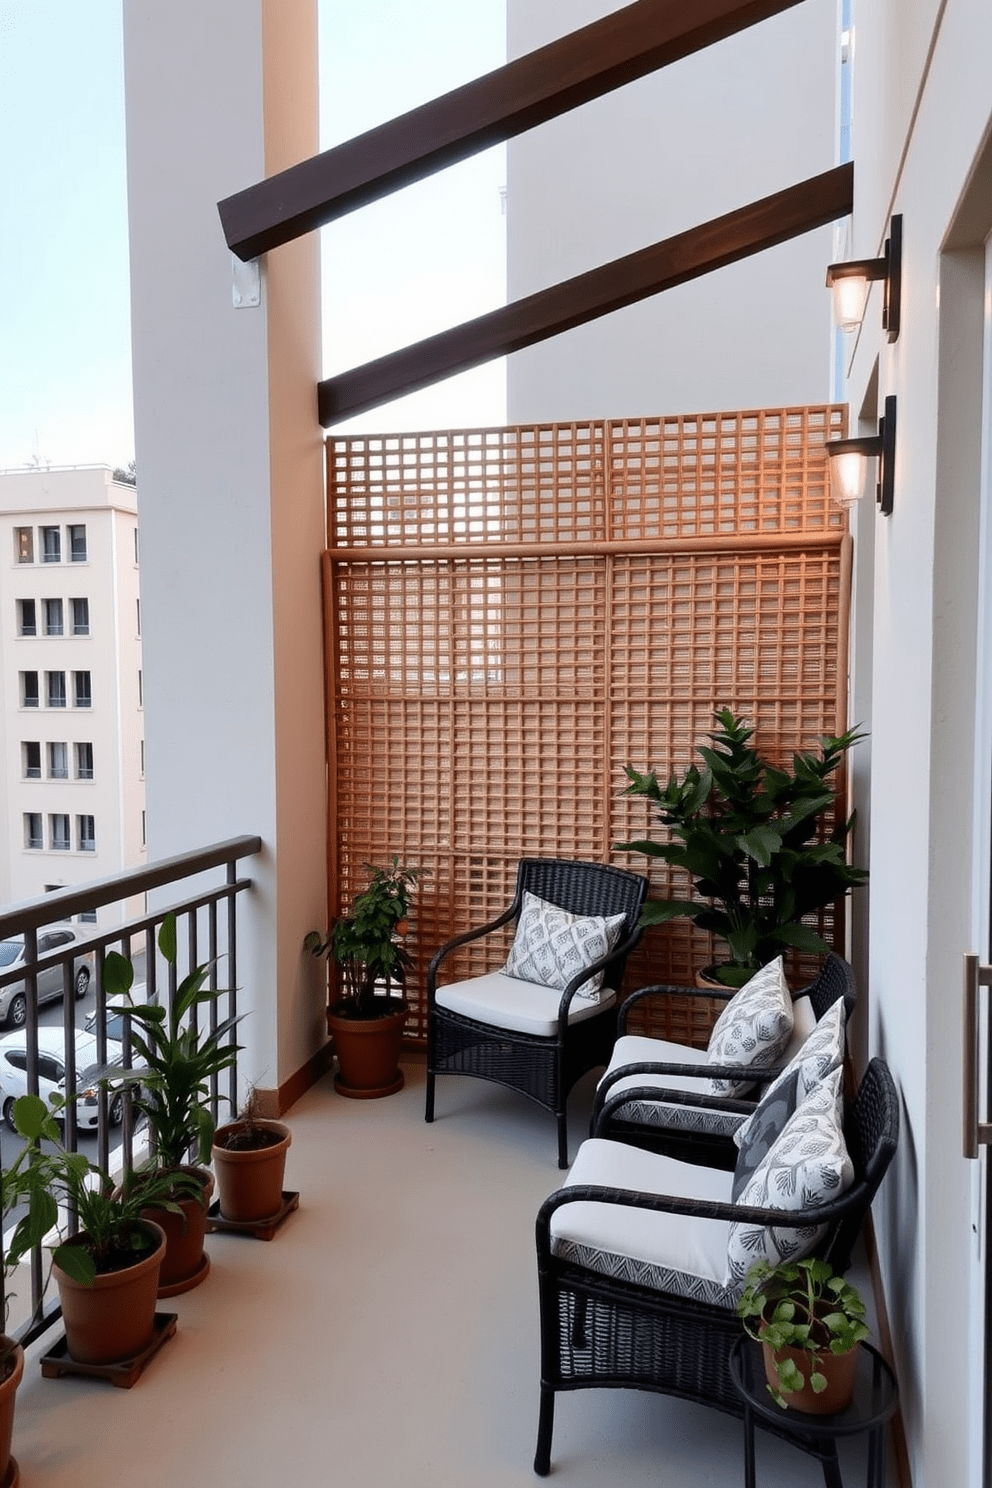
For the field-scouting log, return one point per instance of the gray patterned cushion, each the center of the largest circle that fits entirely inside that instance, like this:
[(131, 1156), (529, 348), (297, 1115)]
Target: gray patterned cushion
[(808, 1165), (677, 1253), (764, 1127), (822, 1052), (551, 946), (754, 1027), (680, 1118)]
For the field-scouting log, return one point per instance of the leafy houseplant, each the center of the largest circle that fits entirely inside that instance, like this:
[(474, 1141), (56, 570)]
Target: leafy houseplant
[(171, 1089), (249, 1156), (117, 1253), (809, 1323), (365, 943), (367, 1025), (756, 842)]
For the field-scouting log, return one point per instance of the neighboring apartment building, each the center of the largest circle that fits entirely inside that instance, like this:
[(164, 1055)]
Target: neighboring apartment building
[(72, 771)]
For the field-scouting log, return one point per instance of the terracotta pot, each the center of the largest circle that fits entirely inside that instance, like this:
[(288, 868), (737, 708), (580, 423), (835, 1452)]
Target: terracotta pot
[(10, 1351), (368, 1053), (250, 1179), (113, 1319), (185, 1263), (838, 1370)]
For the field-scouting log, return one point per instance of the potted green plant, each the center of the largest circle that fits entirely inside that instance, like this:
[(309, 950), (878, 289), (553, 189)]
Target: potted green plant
[(107, 1274), (12, 1192), (170, 1088), (809, 1323), (366, 1021), (757, 842), (249, 1157)]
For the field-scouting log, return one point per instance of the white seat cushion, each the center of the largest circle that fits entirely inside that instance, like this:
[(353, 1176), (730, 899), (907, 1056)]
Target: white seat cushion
[(520, 1007), (667, 1252), (635, 1049)]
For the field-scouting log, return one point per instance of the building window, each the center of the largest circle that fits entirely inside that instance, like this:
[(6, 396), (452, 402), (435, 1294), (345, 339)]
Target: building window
[(87, 917), (141, 755), (32, 830), (77, 544), (84, 761), (31, 759), (135, 543), (29, 689), (141, 690), (81, 689), (137, 614), (53, 616), (86, 833), (80, 616), (27, 619), (58, 827), (55, 689), (58, 761), (23, 545), (51, 544), (143, 838)]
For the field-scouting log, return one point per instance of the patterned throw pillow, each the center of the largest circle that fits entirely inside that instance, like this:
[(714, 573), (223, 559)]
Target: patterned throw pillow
[(552, 946), (753, 1028), (807, 1166), (822, 1052)]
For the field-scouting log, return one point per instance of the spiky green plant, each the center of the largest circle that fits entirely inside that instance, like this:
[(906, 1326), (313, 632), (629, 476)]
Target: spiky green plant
[(756, 841)]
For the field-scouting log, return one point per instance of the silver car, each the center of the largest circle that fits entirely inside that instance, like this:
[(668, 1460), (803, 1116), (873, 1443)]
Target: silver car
[(13, 996)]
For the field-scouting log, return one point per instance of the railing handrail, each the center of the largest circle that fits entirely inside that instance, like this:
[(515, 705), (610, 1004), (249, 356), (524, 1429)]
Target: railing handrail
[(32, 914)]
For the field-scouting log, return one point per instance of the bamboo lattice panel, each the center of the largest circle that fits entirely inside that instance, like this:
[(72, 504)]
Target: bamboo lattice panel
[(485, 701)]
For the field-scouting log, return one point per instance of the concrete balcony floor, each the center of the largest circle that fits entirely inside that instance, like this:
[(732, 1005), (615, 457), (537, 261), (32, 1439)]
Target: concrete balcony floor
[(387, 1334)]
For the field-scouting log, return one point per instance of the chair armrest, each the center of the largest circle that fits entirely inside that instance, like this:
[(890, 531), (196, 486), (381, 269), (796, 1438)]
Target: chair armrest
[(460, 940), (697, 1208), (668, 989), (622, 949), (607, 1104)]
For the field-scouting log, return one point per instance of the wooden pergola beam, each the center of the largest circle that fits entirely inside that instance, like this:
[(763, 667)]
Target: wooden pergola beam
[(637, 276), (623, 46)]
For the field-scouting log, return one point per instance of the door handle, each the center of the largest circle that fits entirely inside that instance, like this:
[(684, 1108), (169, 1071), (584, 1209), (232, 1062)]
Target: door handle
[(975, 1132)]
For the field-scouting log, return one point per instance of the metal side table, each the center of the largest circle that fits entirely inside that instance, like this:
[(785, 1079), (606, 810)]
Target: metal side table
[(875, 1399)]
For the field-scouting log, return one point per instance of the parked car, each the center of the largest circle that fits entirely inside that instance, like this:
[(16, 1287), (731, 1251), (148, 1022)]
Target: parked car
[(13, 996), (51, 1075)]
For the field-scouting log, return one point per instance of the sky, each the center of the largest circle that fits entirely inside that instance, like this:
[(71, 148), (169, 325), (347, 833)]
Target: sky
[(429, 257)]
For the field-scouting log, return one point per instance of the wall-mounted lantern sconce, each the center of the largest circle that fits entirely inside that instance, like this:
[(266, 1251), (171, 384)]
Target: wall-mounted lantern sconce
[(849, 282), (849, 462)]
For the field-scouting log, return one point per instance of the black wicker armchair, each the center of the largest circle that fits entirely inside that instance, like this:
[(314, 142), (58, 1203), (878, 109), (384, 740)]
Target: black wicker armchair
[(651, 1092), (525, 1036), (599, 1328)]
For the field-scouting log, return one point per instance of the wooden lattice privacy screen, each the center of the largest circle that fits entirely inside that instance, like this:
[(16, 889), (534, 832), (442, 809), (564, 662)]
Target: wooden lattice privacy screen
[(514, 613)]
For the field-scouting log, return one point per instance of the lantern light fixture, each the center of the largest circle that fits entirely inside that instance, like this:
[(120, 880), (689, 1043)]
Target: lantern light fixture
[(849, 460), (849, 282)]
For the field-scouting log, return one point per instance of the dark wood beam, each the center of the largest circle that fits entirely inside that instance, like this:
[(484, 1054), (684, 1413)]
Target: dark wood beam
[(688, 255), (629, 44)]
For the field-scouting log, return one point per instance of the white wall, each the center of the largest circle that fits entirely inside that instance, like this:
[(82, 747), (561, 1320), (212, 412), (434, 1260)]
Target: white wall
[(917, 631), (218, 97), (738, 121)]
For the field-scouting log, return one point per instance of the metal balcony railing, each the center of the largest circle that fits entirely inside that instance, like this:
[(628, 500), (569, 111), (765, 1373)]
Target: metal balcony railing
[(207, 932)]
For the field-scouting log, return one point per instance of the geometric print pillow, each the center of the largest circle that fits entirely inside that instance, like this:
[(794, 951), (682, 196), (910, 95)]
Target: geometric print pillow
[(822, 1053), (807, 1166), (551, 946), (753, 1028)]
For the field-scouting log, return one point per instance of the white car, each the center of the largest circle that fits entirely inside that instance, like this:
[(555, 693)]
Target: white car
[(13, 997), (51, 1075)]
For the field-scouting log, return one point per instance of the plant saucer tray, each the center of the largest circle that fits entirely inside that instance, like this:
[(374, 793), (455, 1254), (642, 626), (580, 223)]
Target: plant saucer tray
[(124, 1372), (261, 1229)]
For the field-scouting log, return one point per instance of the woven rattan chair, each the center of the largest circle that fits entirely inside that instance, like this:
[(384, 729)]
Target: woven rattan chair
[(599, 1329), (635, 1100), (572, 1035)]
